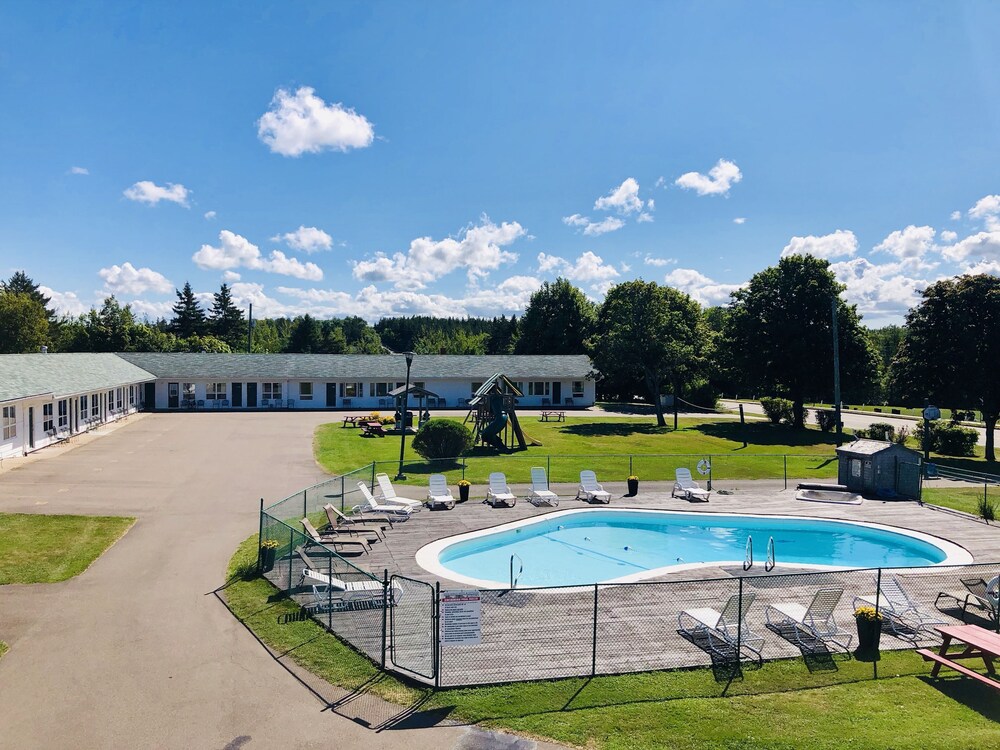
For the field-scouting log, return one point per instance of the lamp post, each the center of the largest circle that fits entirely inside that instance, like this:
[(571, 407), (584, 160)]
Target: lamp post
[(402, 416)]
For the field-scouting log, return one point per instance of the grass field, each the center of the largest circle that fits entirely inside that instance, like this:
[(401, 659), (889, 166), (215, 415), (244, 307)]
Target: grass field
[(961, 498), (3, 648), (604, 445), (37, 548), (781, 705)]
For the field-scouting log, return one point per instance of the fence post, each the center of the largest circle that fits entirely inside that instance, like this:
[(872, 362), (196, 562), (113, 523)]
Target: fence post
[(593, 652), (463, 467), (329, 593), (548, 470), (343, 495), (436, 619), (372, 485), (878, 599), (630, 472), (260, 534), (739, 625), (385, 612), (291, 547), (784, 459), (305, 503)]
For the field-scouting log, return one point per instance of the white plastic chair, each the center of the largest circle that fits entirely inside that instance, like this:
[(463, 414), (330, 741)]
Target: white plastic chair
[(389, 495), (498, 492), (540, 494), (371, 505), (689, 489), (438, 493), (590, 489)]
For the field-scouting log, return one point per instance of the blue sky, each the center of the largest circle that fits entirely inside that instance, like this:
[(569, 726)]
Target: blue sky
[(437, 158)]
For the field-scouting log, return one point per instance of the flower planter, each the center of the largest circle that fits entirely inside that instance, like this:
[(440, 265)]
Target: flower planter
[(267, 555), (463, 493), (633, 487), (869, 634)]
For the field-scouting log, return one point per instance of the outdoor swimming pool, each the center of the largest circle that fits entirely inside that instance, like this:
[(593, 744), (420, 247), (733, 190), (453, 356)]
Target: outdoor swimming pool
[(587, 546)]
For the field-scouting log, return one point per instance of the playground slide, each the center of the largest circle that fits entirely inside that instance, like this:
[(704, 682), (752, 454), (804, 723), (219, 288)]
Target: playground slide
[(491, 432)]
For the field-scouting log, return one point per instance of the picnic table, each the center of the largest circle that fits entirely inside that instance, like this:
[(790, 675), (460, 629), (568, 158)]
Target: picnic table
[(553, 416), (373, 429), (353, 421), (980, 643)]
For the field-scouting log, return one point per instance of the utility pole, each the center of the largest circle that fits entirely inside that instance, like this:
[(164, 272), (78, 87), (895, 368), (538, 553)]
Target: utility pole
[(250, 329), (836, 374)]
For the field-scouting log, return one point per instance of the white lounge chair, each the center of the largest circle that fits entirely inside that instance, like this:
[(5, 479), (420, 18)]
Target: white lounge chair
[(977, 594), (590, 490), (333, 593), (540, 494), (335, 539), (498, 492), (727, 628), (816, 619), (389, 496), (338, 520), (371, 505), (899, 611), (687, 487), (438, 493)]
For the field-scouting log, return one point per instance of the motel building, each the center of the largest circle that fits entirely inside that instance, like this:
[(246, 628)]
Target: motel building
[(46, 398)]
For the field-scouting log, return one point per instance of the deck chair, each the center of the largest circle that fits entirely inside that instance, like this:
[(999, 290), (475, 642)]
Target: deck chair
[(388, 494), (371, 505), (498, 492), (723, 630), (687, 487), (438, 493), (590, 490), (339, 520), (540, 494), (978, 594), (816, 619), (333, 593), (900, 613), (335, 538)]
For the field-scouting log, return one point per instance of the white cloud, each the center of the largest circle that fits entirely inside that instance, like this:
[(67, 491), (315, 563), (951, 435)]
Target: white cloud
[(479, 249), (987, 209), (303, 123), (306, 239), (594, 228), (151, 310), (587, 267), (649, 260), (740, 220), (956, 215), (127, 279), (948, 236), (624, 199), (840, 243), (150, 193), (64, 303), (79, 170), (720, 178), (210, 215), (651, 204), (235, 251), (644, 217), (881, 291), (982, 245), (230, 276), (700, 287), (660, 181), (912, 244)]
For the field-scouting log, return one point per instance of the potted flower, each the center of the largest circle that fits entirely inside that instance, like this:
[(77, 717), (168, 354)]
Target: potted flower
[(869, 623), (463, 490), (633, 485), (268, 549)]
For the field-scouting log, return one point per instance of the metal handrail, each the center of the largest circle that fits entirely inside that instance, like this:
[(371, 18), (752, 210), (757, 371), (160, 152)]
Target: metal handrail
[(748, 554), (520, 569), (769, 561)]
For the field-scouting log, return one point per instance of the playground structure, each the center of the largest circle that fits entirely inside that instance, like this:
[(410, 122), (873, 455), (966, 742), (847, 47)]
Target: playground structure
[(495, 419)]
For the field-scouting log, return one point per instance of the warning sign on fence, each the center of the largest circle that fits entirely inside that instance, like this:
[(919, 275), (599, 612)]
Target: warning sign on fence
[(461, 618)]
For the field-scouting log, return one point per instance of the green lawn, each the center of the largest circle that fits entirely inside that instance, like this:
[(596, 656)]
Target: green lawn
[(604, 445), (782, 705), (37, 548), (961, 498), (4, 648)]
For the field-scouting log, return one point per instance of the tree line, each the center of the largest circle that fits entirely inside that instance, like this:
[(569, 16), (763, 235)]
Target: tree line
[(645, 339)]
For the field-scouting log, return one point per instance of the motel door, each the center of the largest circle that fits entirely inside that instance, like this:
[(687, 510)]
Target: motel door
[(31, 426), (237, 395), (252, 395), (331, 395), (173, 395), (556, 393)]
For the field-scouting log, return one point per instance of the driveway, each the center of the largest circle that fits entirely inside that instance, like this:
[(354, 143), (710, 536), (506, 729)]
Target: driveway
[(136, 652)]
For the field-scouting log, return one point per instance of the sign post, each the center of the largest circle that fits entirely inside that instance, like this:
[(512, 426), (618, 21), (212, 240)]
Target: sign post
[(930, 413)]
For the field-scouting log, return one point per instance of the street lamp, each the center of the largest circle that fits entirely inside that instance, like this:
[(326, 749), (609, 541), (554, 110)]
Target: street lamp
[(402, 416)]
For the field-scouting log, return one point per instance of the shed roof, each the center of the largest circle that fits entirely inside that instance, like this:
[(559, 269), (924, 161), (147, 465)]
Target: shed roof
[(868, 447), (360, 366), (26, 375)]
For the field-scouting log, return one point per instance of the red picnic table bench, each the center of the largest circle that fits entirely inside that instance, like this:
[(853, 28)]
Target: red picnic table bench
[(980, 643), (372, 429), (353, 421)]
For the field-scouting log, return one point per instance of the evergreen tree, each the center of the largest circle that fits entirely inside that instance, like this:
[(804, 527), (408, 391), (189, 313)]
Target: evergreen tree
[(189, 319), (21, 283), (227, 321), (307, 336)]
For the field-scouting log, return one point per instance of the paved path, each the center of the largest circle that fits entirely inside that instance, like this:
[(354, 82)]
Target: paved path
[(137, 652)]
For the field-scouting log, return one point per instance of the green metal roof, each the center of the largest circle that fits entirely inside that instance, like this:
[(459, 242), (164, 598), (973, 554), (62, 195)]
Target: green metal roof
[(359, 366), (25, 375)]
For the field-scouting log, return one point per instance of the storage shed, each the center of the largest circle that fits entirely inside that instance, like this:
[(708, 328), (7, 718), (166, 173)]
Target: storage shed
[(879, 468)]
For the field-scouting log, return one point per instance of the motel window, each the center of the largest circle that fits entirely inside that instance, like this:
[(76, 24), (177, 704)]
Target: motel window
[(63, 414), (476, 387), (518, 385), (215, 392), (382, 389), (538, 388), (111, 400), (855, 467), (306, 391), (9, 422), (131, 394), (272, 390), (83, 407), (119, 396), (350, 390), (46, 417), (419, 384), (577, 389), (95, 405), (187, 391)]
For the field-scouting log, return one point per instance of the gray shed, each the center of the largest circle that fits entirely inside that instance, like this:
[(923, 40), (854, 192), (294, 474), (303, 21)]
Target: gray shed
[(878, 467)]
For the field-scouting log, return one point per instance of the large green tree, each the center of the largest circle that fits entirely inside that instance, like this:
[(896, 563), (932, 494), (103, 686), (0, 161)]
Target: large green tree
[(24, 326), (558, 320), (779, 334), (227, 320), (21, 283), (110, 329), (952, 349), (651, 332), (307, 336), (189, 318)]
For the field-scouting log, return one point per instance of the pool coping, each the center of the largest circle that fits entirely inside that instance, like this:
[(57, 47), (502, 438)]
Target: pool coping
[(428, 556)]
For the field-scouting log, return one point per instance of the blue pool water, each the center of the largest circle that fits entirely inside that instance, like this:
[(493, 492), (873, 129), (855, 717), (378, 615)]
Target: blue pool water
[(566, 549)]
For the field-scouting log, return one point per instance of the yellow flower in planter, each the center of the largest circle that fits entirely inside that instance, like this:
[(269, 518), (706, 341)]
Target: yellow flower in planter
[(867, 613), (464, 483), (269, 544)]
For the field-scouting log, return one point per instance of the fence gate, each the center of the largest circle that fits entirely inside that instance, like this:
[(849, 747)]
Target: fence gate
[(411, 626), (908, 481)]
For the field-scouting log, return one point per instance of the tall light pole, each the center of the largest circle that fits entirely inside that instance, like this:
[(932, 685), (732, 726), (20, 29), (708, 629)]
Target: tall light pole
[(402, 416)]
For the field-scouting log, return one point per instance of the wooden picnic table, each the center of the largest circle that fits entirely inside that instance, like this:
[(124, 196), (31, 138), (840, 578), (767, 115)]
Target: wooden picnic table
[(556, 416), (353, 421), (980, 643), (373, 428)]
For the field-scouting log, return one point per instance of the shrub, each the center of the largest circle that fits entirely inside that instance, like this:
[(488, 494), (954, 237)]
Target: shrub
[(986, 509), (881, 431), (901, 436), (826, 419), (442, 438), (777, 409), (948, 439)]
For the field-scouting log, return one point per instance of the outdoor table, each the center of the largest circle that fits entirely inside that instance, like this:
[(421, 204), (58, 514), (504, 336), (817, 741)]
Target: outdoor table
[(558, 416), (352, 421), (980, 643)]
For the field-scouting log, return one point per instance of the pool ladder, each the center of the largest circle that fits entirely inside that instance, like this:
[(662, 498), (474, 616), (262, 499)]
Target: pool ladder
[(520, 569), (768, 560)]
